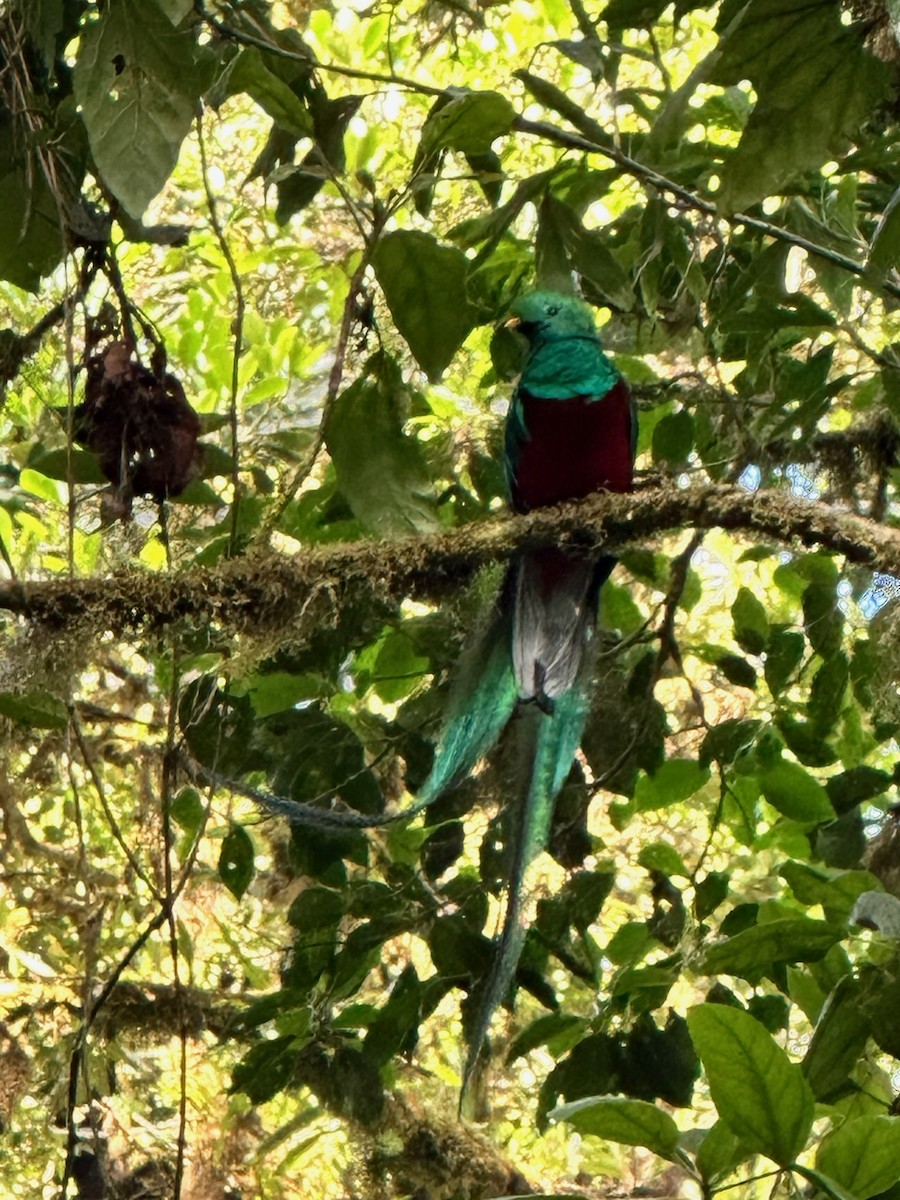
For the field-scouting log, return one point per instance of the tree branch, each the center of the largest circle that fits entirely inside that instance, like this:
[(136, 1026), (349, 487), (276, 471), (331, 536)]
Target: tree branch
[(267, 592), (666, 186)]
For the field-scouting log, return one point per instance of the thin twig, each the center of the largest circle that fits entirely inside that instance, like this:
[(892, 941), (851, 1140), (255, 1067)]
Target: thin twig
[(114, 827), (238, 328), (576, 141), (167, 791), (309, 59), (335, 378)]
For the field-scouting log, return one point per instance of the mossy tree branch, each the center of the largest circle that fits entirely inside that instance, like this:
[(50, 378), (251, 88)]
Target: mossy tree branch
[(270, 592)]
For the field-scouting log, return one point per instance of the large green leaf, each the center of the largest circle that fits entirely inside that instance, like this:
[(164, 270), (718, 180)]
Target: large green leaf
[(137, 87), (30, 233), (815, 84), (37, 709), (632, 1122), (676, 780), (884, 252), (425, 286), (760, 1094), (249, 73), (754, 952), (44, 21), (840, 1037), (751, 625), (862, 1155), (720, 1152), (795, 793), (380, 468), (466, 121)]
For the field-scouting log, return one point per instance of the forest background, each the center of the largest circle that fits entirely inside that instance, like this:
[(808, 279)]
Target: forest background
[(305, 224)]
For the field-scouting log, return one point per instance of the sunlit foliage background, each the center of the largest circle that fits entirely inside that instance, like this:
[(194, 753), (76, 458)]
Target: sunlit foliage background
[(317, 216)]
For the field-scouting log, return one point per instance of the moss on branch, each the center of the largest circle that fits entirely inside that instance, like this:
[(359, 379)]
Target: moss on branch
[(271, 591)]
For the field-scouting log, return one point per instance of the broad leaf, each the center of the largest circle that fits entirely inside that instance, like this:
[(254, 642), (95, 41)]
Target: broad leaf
[(862, 1155), (380, 468), (135, 82), (759, 1093), (815, 83), (753, 952), (631, 1122), (840, 1036), (676, 780), (751, 625), (30, 236), (425, 286), (795, 793), (466, 121), (249, 73), (37, 710), (236, 861)]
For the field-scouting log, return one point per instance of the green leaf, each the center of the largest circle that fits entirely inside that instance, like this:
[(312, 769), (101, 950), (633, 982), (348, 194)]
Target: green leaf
[(82, 466), (826, 696), (822, 1183), (425, 287), (795, 793), (815, 84), (836, 891), (676, 780), (673, 439), (187, 810), (316, 914), (265, 1070), (862, 1155), (727, 740), (44, 22), (783, 655), (853, 787), (772, 1012), (737, 670), (719, 1153), (630, 1122), (822, 619), (603, 278), (751, 625), (249, 73), (760, 1094), (30, 241), (396, 1026), (753, 952), (236, 861), (839, 1039), (884, 252), (805, 740), (38, 710), (633, 14), (135, 82), (380, 468), (709, 893), (558, 1031), (660, 856), (466, 121)]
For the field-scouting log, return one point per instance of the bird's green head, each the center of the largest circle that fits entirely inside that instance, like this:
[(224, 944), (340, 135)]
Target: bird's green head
[(548, 316)]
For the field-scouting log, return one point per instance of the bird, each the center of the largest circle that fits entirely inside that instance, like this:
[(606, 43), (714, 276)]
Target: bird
[(570, 432)]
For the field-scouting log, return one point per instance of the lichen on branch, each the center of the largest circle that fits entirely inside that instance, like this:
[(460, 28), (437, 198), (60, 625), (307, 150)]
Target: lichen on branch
[(271, 591)]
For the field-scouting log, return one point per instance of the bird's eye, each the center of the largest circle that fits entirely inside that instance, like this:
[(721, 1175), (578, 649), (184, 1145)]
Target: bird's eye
[(552, 310)]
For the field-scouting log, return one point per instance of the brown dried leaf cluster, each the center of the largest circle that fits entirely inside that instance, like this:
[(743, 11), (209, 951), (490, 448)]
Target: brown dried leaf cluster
[(140, 425)]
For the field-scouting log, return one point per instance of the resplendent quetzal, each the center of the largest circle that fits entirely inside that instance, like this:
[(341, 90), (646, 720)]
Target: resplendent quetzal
[(570, 431)]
